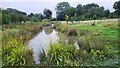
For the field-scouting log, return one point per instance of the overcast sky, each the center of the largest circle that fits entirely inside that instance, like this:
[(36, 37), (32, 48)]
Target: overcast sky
[(37, 6)]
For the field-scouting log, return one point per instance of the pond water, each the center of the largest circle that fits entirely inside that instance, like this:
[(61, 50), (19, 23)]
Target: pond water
[(41, 42)]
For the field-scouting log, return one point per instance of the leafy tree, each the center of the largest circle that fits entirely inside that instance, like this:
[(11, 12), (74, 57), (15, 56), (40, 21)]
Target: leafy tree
[(95, 13), (79, 10), (33, 19), (14, 17), (25, 18), (39, 16), (116, 6), (0, 16), (113, 15), (6, 19), (87, 7), (31, 14), (60, 10), (70, 12), (47, 13), (107, 13)]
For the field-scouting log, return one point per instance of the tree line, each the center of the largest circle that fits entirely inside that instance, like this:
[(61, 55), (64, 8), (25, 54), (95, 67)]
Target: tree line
[(80, 12), (86, 12), (12, 16)]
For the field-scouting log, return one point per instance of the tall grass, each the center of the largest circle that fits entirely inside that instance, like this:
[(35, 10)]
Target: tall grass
[(14, 44), (14, 51)]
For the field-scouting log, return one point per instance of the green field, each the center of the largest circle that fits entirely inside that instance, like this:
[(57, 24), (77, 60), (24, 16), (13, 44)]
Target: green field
[(107, 31)]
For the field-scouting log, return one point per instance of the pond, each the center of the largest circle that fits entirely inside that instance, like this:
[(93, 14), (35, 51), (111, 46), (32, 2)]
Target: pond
[(41, 42)]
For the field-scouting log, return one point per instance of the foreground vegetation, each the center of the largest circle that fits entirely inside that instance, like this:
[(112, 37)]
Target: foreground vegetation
[(98, 45), (15, 51), (105, 31)]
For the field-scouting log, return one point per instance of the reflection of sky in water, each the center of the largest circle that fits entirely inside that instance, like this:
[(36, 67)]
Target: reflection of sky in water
[(42, 41)]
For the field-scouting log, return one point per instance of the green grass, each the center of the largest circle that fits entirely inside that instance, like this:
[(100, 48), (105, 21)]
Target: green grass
[(107, 31)]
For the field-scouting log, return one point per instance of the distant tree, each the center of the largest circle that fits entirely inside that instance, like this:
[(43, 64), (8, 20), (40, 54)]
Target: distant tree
[(47, 13), (116, 6), (79, 10), (21, 18), (113, 15), (95, 13), (107, 13), (14, 17), (60, 10), (87, 7), (25, 18), (39, 16), (30, 15), (70, 12), (0, 16), (5, 19), (34, 19)]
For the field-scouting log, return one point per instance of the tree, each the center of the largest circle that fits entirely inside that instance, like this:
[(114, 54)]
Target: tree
[(70, 12), (33, 19), (0, 17), (47, 13), (39, 16), (107, 13), (79, 10), (31, 14), (6, 19), (60, 10), (96, 12), (116, 6), (87, 7), (14, 17)]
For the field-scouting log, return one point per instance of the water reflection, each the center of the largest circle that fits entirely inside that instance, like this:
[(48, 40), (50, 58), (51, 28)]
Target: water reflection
[(41, 42)]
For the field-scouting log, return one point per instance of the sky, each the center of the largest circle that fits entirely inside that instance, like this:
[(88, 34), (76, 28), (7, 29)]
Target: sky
[(37, 6)]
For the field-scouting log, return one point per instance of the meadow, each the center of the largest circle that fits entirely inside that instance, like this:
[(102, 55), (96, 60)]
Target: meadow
[(97, 44), (107, 31)]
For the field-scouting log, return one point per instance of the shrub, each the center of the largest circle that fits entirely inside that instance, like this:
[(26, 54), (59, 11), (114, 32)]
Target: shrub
[(61, 54), (14, 51), (46, 20), (62, 28), (72, 32), (95, 48)]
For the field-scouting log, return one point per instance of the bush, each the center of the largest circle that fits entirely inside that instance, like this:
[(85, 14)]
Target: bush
[(62, 28), (14, 51), (46, 20), (72, 32), (61, 54), (95, 48)]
